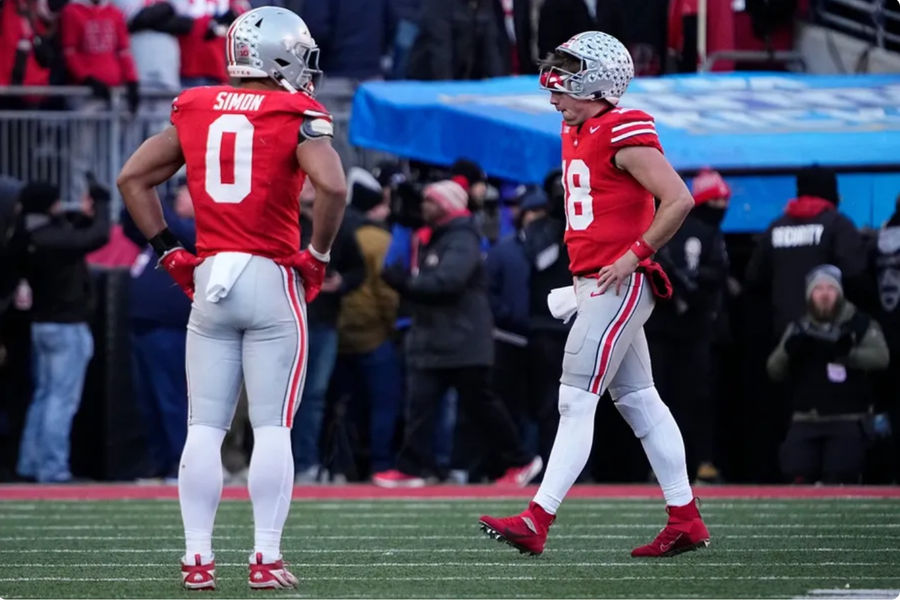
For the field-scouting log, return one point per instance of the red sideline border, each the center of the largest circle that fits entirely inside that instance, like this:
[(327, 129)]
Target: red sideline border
[(453, 492)]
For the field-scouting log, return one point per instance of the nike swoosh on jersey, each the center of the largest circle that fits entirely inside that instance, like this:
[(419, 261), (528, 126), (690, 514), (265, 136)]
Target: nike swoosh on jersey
[(594, 128)]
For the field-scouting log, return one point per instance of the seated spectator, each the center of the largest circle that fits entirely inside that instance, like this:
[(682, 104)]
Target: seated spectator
[(62, 305), (824, 357)]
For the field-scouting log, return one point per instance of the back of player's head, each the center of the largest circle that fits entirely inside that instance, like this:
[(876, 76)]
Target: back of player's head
[(589, 66), (274, 43)]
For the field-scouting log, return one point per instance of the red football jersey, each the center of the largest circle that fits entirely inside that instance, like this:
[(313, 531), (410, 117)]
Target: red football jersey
[(606, 208), (239, 147)]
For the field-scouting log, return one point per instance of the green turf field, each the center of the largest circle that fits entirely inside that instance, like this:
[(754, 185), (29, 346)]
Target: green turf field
[(433, 549)]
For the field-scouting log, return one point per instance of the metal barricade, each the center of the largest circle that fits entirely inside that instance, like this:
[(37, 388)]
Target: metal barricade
[(874, 21), (92, 136)]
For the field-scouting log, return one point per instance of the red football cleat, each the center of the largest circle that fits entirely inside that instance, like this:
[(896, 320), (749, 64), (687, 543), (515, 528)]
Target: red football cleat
[(198, 576), (397, 479), (521, 476), (526, 531), (271, 576), (684, 532)]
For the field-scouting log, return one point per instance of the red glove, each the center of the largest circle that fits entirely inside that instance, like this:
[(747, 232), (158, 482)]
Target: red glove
[(181, 264), (311, 269)]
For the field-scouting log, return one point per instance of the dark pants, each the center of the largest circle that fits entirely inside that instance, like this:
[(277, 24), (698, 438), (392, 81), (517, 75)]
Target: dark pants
[(374, 382), (483, 411), (682, 372), (830, 452), (527, 379), (307, 428), (160, 387)]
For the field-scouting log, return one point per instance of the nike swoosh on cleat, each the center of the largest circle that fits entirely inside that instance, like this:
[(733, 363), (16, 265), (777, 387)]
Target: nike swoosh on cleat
[(666, 547)]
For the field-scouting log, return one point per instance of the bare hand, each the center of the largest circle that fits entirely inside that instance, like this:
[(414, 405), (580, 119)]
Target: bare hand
[(332, 282), (616, 273)]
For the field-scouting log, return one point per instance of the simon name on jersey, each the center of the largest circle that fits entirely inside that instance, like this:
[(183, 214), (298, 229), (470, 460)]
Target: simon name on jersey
[(238, 101)]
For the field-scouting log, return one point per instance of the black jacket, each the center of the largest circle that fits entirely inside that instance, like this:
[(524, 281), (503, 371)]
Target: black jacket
[(56, 269), (451, 316), (561, 19), (826, 365), (794, 244), (697, 264), (458, 39), (549, 260), (346, 259)]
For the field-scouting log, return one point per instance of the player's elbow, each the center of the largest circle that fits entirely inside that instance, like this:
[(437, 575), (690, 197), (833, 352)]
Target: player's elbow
[(682, 201), (334, 188), (126, 181)]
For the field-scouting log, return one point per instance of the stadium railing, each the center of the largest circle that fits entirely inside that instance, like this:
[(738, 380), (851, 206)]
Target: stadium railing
[(61, 145)]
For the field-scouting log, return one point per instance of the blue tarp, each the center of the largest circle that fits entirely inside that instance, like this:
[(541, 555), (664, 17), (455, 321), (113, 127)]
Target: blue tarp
[(731, 121)]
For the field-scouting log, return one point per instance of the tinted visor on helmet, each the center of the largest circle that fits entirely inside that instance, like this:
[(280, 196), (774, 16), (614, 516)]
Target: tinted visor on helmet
[(556, 79)]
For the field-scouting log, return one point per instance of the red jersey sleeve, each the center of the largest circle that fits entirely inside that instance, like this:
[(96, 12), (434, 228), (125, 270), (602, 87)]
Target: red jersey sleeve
[(180, 104), (633, 127)]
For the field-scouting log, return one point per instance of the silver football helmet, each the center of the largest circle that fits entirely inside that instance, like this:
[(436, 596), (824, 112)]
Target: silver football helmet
[(273, 42), (606, 68)]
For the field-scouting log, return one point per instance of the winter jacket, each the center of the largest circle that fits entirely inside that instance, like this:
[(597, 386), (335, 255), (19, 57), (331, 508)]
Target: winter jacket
[(810, 233), (451, 315), (508, 278), (369, 312), (697, 265), (95, 43), (458, 39), (823, 377), (56, 270), (346, 259), (352, 35), (548, 260)]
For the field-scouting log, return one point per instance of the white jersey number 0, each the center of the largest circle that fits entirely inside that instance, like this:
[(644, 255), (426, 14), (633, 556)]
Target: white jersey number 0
[(579, 203), (237, 187)]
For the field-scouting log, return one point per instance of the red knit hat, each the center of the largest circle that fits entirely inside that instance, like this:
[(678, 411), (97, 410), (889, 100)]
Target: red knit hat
[(447, 194), (708, 185)]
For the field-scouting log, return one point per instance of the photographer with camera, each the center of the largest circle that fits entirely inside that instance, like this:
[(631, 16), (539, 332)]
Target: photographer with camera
[(62, 345), (824, 357)]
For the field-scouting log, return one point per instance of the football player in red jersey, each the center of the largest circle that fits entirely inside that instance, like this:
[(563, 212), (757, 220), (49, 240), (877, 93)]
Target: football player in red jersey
[(248, 150), (613, 167)]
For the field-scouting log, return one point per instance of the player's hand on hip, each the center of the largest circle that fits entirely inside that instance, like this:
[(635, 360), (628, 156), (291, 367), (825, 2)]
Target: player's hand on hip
[(311, 269), (616, 274), (181, 264)]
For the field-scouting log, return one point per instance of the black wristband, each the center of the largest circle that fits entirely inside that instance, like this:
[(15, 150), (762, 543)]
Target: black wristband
[(164, 241)]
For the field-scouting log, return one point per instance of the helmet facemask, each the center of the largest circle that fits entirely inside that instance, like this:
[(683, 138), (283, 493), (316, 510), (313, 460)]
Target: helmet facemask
[(304, 74)]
